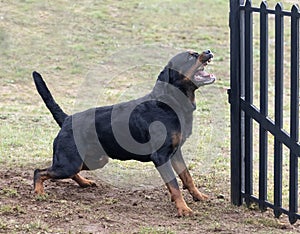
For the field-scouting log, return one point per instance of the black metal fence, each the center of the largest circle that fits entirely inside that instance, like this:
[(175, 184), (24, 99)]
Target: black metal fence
[(244, 113)]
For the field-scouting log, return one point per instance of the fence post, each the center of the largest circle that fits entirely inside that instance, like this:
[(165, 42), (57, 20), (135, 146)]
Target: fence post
[(243, 111), (263, 135), (278, 108), (294, 121), (248, 142), (234, 99)]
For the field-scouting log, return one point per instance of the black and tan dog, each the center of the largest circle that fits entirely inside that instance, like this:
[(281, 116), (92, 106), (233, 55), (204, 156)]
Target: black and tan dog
[(152, 128)]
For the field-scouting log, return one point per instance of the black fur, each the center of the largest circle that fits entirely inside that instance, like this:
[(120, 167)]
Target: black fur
[(87, 138), (58, 114)]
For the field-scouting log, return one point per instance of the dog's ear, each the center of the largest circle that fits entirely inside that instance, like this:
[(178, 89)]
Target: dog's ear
[(164, 76)]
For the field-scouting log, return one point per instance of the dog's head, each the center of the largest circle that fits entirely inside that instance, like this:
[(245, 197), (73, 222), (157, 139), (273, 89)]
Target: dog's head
[(186, 70)]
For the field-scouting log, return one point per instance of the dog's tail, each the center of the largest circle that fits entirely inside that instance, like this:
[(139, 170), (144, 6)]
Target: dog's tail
[(58, 114)]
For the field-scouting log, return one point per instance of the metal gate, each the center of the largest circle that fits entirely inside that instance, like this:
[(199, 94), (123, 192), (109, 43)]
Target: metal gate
[(244, 112)]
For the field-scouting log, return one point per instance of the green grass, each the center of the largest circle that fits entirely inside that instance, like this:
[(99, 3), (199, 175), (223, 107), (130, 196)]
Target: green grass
[(10, 209), (9, 192), (271, 103), (103, 52), (66, 47), (67, 42)]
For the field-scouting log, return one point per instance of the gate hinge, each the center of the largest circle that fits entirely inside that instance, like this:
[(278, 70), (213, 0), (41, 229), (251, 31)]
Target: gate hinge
[(229, 95)]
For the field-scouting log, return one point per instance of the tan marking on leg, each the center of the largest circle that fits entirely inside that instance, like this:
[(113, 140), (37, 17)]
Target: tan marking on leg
[(38, 187), (188, 183), (176, 139), (176, 196), (83, 182)]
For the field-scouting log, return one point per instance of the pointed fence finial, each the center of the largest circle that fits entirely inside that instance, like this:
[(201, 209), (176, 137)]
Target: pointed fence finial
[(264, 5), (279, 7), (295, 10)]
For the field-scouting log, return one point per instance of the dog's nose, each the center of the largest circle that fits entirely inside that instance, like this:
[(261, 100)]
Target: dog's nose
[(208, 54)]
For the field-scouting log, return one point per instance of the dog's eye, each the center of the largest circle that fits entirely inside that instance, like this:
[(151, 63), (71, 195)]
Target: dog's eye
[(191, 57)]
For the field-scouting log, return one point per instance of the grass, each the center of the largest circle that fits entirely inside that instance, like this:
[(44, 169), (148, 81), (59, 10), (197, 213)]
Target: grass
[(151, 230), (11, 209), (271, 103), (99, 53), (9, 192), (74, 56)]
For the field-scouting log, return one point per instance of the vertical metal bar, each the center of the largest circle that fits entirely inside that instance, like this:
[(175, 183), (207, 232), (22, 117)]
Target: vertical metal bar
[(263, 136), (234, 99), (249, 99), (242, 95), (278, 108), (294, 121)]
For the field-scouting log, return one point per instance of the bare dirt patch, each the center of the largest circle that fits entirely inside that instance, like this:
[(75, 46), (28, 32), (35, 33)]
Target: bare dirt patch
[(64, 42), (104, 209)]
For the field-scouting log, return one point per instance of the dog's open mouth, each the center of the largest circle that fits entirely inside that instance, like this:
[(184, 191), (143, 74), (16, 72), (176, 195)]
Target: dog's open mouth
[(202, 77)]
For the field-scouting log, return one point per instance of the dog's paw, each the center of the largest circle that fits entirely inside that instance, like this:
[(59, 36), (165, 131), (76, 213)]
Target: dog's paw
[(39, 191), (198, 196), (87, 183), (92, 184), (84, 183), (39, 188), (182, 208), (184, 211)]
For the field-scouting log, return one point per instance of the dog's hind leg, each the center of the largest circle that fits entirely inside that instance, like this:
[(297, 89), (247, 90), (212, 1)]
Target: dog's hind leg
[(83, 182), (90, 165), (56, 171), (39, 177)]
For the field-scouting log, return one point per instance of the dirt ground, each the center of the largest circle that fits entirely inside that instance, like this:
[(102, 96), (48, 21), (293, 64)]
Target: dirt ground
[(66, 40), (104, 209)]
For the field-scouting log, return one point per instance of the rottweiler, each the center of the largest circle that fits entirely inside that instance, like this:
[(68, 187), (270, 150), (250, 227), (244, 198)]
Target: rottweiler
[(152, 128)]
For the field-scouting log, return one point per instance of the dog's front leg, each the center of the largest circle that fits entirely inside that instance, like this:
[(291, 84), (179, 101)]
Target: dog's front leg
[(176, 196), (184, 174), (169, 178)]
